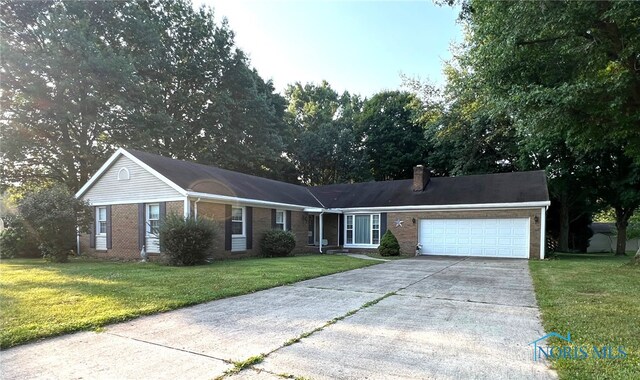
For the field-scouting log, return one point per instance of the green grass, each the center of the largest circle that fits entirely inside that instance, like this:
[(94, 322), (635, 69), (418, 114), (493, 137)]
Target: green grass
[(597, 299), (40, 299)]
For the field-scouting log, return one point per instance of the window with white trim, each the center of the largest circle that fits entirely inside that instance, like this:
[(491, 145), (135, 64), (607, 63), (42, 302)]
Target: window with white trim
[(375, 229), (153, 218), (362, 229), (101, 220), (237, 221), (281, 220)]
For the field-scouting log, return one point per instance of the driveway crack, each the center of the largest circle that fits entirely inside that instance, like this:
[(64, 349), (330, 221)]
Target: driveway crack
[(169, 347), (431, 274), (336, 289)]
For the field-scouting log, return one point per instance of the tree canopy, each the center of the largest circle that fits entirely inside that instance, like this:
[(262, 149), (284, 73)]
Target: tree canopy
[(84, 77), (565, 75)]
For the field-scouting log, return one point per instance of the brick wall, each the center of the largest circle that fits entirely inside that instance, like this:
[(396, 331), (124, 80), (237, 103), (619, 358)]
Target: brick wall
[(215, 212), (124, 230), (408, 234), (261, 224), (330, 228), (300, 228)]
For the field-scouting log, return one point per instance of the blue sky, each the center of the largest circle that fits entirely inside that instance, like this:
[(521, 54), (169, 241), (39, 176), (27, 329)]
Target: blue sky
[(359, 46)]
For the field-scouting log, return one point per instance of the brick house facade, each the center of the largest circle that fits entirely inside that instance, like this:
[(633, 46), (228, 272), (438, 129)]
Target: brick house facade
[(498, 215)]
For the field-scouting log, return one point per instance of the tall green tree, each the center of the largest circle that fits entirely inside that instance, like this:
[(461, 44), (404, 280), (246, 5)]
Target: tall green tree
[(571, 178), (81, 78), (617, 181), (567, 69), (564, 65), (391, 126), (66, 84), (470, 135), (202, 100), (323, 144), (250, 135)]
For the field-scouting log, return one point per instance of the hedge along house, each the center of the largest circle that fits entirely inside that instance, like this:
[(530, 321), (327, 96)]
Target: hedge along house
[(494, 215)]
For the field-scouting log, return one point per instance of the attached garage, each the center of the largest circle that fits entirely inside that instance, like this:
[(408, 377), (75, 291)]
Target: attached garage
[(490, 215), (498, 237)]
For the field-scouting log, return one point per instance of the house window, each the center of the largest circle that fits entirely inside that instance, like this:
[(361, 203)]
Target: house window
[(375, 229), (101, 220), (349, 229), (153, 218), (362, 229), (281, 220), (237, 221)]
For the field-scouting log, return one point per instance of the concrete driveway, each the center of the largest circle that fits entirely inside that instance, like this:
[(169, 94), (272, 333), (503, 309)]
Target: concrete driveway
[(421, 318)]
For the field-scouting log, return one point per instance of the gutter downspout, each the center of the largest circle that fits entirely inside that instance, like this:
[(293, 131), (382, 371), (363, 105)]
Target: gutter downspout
[(195, 208), (543, 231), (78, 240), (320, 232)]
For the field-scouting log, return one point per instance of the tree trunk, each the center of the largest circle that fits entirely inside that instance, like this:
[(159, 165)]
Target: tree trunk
[(622, 221), (563, 243), (621, 244)]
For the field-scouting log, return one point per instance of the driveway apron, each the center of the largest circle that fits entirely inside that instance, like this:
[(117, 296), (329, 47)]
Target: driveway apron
[(440, 318)]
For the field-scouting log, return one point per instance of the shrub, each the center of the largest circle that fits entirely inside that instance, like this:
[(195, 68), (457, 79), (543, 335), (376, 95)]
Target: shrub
[(15, 239), (52, 215), (389, 245), (277, 243), (186, 241)]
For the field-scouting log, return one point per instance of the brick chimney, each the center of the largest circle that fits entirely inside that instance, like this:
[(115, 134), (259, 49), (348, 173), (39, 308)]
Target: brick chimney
[(421, 178)]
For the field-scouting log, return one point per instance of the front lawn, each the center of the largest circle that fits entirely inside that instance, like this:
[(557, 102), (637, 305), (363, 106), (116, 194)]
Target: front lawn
[(40, 299), (597, 299)]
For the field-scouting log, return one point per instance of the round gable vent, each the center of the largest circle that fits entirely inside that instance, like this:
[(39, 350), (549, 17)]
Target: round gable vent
[(123, 174)]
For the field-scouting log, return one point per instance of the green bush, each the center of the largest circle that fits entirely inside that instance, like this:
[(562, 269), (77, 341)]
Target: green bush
[(389, 245), (277, 243), (15, 239), (52, 215), (186, 241)]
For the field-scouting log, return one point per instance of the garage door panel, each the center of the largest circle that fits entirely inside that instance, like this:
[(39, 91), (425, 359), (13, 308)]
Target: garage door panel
[(476, 251), (506, 237)]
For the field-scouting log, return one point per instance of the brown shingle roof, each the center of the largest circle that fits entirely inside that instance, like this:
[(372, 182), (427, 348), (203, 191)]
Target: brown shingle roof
[(530, 186)]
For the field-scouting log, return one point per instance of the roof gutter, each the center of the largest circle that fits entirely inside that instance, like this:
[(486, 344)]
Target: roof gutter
[(247, 201), (319, 210), (514, 205)]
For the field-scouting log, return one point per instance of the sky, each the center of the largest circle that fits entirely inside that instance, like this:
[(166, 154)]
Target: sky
[(358, 46)]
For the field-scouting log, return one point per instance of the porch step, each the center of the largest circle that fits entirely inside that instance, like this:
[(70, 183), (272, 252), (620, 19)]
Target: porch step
[(337, 251)]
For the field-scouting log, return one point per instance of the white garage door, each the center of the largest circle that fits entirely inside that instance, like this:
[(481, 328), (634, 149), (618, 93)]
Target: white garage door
[(475, 237)]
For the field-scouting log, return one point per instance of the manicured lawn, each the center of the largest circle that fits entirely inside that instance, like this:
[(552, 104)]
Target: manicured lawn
[(597, 299), (39, 299)]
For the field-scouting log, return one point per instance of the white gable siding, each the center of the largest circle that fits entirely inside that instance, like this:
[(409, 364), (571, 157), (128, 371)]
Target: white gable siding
[(141, 185)]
